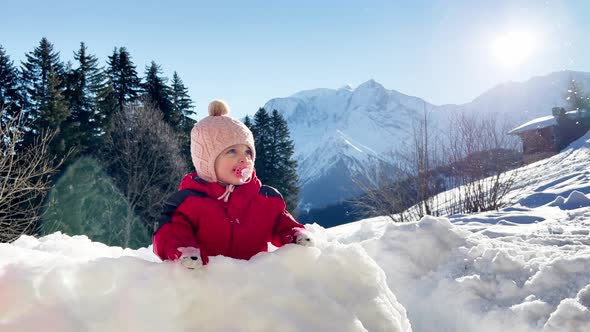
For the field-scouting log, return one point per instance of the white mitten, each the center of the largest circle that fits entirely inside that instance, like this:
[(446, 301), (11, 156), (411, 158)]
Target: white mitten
[(191, 258), (304, 238)]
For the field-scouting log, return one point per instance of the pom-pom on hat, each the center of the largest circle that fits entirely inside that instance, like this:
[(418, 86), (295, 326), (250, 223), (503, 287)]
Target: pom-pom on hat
[(214, 134)]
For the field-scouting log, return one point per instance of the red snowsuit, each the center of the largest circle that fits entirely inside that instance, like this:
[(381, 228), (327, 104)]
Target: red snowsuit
[(253, 216)]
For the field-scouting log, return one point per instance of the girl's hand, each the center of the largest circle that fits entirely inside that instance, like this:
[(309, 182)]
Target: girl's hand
[(304, 238), (192, 258)]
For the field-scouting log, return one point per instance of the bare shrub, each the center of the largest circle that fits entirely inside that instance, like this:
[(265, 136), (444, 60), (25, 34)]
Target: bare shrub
[(142, 153), (25, 175), (407, 191), (478, 155), (474, 158)]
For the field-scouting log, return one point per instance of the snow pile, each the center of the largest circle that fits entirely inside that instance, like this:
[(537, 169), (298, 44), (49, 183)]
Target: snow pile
[(477, 277), (544, 181), (575, 200), (72, 284)]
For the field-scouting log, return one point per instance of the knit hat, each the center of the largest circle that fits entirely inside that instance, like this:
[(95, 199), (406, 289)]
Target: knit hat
[(212, 135)]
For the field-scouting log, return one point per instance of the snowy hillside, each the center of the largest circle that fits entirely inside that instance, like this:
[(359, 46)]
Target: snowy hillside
[(523, 268), (340, 134), (555, 178)]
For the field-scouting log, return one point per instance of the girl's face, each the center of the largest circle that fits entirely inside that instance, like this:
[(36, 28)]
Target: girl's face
[(235, 157)]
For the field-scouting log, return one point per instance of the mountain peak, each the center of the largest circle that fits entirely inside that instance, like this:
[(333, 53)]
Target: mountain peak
[(371, 84)]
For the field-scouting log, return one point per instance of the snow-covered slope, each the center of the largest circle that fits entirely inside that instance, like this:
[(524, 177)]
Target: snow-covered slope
[(523, 268), (343, 133), (548, 181)]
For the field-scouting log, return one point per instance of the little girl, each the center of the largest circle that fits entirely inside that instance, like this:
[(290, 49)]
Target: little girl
[(223, 208)]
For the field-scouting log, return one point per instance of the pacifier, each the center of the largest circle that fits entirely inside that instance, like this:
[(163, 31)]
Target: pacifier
[(244, 173)]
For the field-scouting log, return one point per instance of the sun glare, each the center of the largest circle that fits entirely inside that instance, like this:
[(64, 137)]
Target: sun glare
[(513, 48)]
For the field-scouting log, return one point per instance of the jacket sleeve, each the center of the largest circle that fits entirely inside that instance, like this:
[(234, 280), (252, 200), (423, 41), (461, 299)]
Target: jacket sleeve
[(285, 229), (179, 224)]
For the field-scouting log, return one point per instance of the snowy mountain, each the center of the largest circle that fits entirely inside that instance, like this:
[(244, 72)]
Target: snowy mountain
[(342, 134)]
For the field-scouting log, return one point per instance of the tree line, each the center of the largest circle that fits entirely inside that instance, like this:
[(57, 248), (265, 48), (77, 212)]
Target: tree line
[(77, 100), (99, 148)]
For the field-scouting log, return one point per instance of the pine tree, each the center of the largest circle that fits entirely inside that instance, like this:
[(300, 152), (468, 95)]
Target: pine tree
[(125, 83), (181, 104), (571, 126), (248, 122), (159, 94), (54, 114), (84, 88), (108, 104), (284, 167), (42, 63), (274, 163), (262, 132), (576, 97), (10, 97)]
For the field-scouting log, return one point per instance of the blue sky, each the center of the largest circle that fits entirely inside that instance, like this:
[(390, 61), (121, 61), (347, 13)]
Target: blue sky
[(248, 52)]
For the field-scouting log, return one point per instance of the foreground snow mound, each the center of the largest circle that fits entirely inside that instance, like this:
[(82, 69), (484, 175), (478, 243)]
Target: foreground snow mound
[(73, 284), (494, 278)]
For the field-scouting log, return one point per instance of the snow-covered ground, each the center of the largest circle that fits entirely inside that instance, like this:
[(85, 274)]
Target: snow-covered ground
[(523, 268), (482, 277), (62, 283)]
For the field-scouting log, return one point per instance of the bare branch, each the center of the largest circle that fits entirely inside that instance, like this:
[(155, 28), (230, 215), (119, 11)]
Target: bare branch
[(143, 155), (24, 179)]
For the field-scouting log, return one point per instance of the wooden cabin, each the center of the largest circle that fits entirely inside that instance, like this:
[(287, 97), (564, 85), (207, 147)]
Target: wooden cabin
[(546, 136)]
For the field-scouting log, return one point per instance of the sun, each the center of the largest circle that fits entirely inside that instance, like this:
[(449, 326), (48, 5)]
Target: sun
[(513, 48)]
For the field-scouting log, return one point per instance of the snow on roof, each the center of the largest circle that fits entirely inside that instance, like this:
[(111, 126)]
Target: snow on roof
[(546, 121), (537, 123)]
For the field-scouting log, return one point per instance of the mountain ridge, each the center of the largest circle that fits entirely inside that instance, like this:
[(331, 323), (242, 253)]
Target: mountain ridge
[(360, 128)]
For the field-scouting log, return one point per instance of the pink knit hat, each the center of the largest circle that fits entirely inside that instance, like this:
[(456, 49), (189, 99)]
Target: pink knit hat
[(214, 134)]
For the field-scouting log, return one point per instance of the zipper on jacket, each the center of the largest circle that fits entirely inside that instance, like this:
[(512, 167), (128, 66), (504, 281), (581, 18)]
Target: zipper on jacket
[(231, 236)]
